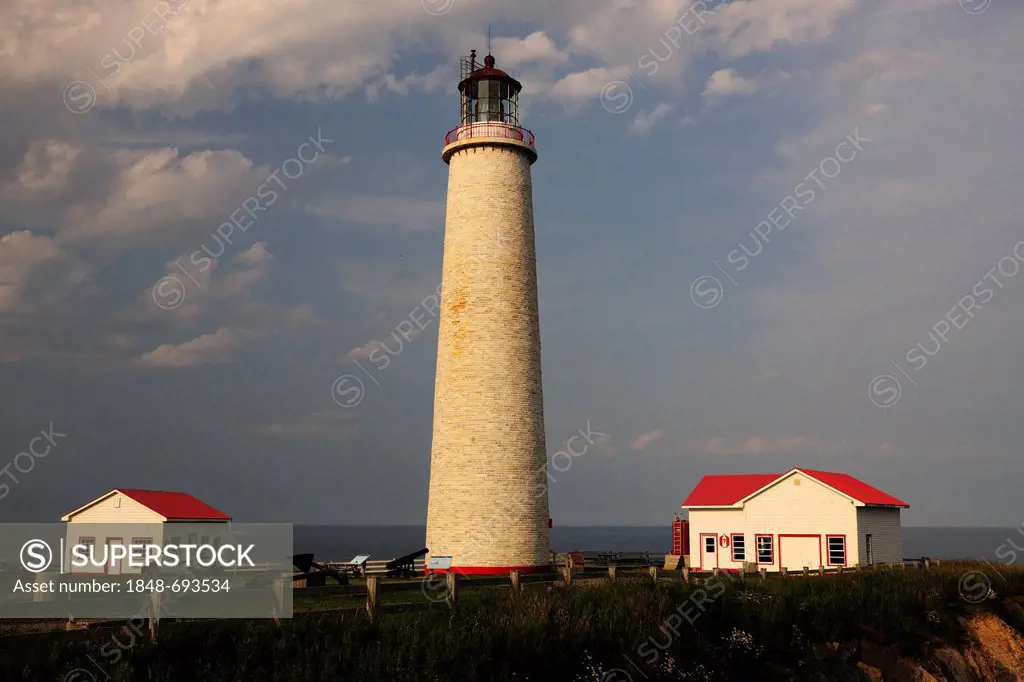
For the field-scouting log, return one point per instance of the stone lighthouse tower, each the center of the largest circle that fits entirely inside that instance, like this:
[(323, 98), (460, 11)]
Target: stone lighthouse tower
[(488, 500)]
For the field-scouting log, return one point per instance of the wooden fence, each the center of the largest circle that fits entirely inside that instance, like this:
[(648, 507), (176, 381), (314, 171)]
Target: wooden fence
[(443, 588)]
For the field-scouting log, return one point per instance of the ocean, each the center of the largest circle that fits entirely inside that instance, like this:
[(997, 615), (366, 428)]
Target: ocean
[(341, 543)]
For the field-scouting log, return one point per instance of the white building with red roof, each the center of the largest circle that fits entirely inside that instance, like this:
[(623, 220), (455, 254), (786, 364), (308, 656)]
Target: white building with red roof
[(128, 516), (802, 518)]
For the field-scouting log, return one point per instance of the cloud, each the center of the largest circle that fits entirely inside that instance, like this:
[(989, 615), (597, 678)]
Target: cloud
[(728, 82), (23, 258), (219, 346), (202, 55), (131, 195), (725, 82), (778, 445), (42, 287), (644, 439), (644, 121), (240, 282), (584, 85), (403, 85), (44, 170), (204, 287), (360, 352), (160, 189), (742, 28), (535, 47)]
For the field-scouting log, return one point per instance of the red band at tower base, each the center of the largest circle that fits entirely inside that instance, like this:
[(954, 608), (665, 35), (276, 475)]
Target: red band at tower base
[(491, 570)]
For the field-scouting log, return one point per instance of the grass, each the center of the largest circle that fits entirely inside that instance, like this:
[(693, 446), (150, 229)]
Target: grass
[(335, 601), (740, 630)]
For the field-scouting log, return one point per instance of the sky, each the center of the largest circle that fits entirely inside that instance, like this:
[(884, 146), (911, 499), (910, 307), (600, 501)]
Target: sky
[(770, 233)]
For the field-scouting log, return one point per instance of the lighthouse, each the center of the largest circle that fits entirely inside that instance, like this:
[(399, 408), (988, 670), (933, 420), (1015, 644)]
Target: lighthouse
[(487, 511)]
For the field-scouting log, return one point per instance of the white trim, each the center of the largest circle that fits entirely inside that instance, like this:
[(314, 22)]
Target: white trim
[(67, 517), (791, 472)]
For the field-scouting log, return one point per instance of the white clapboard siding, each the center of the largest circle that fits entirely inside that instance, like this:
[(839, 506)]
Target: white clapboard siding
[(108, 511), (793, 505)]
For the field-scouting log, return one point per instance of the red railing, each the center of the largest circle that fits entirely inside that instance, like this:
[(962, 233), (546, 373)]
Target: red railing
[(490, 129)]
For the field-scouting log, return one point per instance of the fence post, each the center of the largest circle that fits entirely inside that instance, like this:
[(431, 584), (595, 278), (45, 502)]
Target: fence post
[(372, 593), (278, 599), (514, 576), (764, 574), (155, 599), (821, 571), (451, 579), (654, 573), (686, 574), (611, 572), (567, 573), (807, 571), (927, 565), (903, 564), (785, 572)]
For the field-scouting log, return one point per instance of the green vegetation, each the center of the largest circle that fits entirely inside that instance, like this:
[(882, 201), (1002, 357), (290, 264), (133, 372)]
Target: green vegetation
[(741, 630)]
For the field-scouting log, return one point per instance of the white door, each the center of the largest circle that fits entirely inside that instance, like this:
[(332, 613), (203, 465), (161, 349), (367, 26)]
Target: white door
[(113, 566), (708, 551), (797, 551)]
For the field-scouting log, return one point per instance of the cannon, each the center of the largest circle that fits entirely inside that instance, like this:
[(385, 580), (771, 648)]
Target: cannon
[(404, 566), (315, 574)]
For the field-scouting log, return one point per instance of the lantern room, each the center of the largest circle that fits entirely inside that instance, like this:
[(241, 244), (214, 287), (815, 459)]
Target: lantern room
[(488, 110), (488, 94)]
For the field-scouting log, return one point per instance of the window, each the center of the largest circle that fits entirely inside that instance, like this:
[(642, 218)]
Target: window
[(89, 546), (709, 545), (191, 538), (142, 542), (867, 545), (836, 550), (739, 548), (765, 549)]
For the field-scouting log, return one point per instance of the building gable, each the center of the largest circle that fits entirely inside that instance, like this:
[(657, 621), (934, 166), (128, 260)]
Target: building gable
[(734, 491), (796, 489), (124, 505), (790, 483), (114, 507)]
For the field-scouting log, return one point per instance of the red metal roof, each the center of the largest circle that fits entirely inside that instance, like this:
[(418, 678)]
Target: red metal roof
[(726, 489), (855, 488), (718, 490), (175, 506)]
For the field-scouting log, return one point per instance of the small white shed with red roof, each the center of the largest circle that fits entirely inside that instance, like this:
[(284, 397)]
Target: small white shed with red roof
[(155, 517), (802, 518)]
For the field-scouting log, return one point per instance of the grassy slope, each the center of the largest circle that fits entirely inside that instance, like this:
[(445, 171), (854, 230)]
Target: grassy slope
[(748, 631)]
